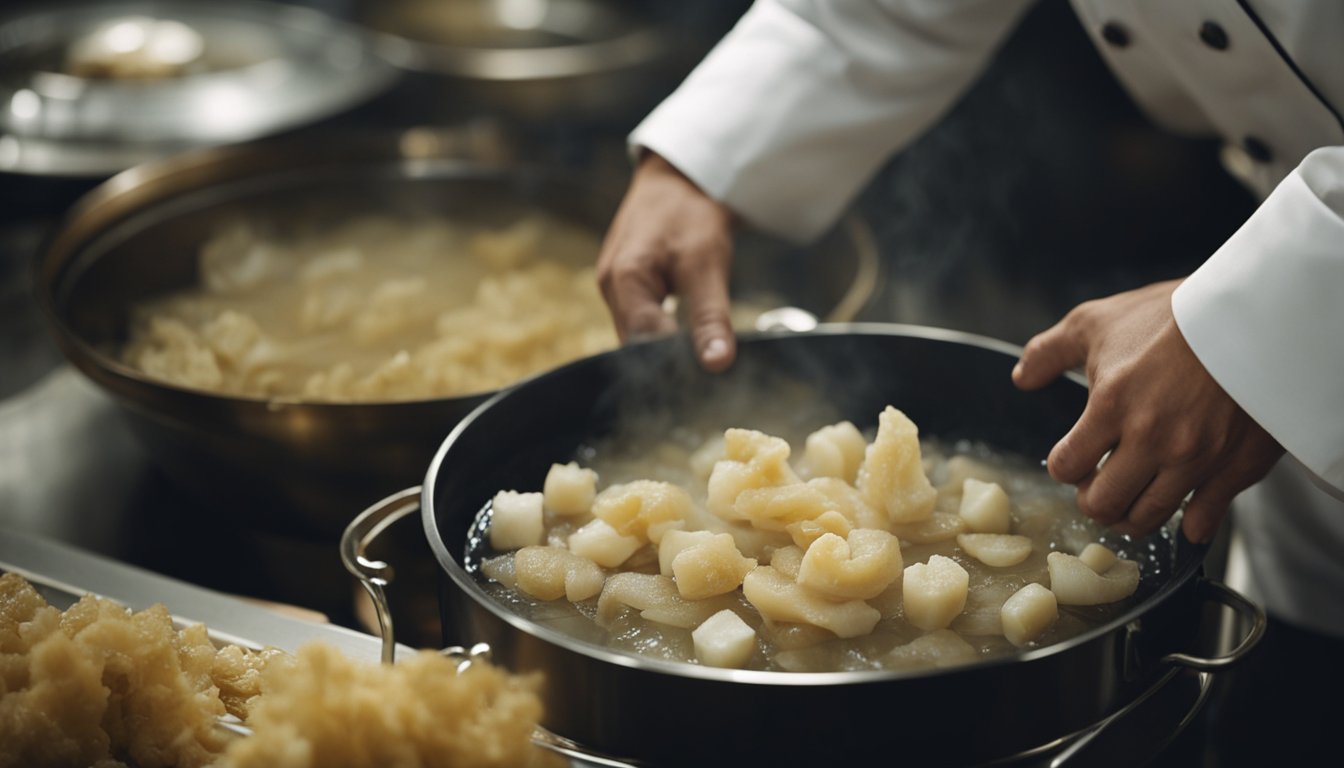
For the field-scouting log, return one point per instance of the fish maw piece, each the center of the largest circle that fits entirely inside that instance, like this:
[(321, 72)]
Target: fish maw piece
[(724, 640), (569, 489), (1074, 583), (779, 599), (892, 476), (516, 520), (643, 508), (1028, 614), (775, 508), (805, 532), (835, 451), (787, 560), (751, 459), (941, 648), (1098, 557), (703, 459), (674, 542), (997, 550), (935, 592), (500, 569), (857, 567), (603, 544), (985, 507), (959, 468), (709, 568), (656, 598), (846, 499), (550, 573), (939, 526)]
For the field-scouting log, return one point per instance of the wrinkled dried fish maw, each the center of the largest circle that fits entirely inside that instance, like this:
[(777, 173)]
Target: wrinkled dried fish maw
[(835, 451), (857, 567), (779, 599), (644, 508), (892, 476)]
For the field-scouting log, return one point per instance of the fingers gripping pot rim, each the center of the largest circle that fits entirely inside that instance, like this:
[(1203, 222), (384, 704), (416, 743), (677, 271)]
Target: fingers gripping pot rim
[(617, 703)]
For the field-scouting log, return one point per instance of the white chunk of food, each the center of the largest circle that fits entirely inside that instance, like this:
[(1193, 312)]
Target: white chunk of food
[(779, 599), (940, 526), (985, 507), (656, 598), (516, 520), (892, 475), (1074, 583), (711, 567), (804, 532), (751, 459), (1098, 557), (941, 648), (569, 489), (724, 640), (997, 550), (602, 544), (645, 509), (935, 592), (775, 508), (550, 573), (857, 567), (835, 451), (1028, 614)]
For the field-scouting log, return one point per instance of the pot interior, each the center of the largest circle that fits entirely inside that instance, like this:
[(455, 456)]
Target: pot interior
[(952, 385)]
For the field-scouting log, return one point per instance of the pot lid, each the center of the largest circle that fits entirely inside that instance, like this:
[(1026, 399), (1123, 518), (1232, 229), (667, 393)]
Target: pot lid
[(89, 88)]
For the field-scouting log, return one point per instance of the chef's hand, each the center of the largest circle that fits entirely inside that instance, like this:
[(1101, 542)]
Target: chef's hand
[(1169, 427), (669, 238)]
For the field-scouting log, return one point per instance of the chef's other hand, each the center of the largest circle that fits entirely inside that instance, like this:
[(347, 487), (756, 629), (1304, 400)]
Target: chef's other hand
[(669, 238), (1169, 427)]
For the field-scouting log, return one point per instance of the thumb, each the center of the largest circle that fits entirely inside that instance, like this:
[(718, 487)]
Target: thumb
[(1048, 355)]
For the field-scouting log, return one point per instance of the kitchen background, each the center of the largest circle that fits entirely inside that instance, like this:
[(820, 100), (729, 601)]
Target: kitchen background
[(1044, 187)]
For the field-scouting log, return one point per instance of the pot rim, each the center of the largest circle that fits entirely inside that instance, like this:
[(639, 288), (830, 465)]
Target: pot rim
[(464, 582)]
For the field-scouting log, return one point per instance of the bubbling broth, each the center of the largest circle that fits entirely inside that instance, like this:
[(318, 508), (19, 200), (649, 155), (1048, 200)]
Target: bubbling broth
[(810, 546)]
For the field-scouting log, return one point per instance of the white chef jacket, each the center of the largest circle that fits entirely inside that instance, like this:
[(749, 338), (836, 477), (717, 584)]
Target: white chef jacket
[(803, 101)]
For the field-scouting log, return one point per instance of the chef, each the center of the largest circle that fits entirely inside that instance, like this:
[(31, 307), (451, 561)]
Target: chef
[(1198, 386)]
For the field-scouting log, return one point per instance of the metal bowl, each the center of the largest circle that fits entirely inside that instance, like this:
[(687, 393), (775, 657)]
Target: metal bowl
[(91, 88), (302, 467), (531, 59)]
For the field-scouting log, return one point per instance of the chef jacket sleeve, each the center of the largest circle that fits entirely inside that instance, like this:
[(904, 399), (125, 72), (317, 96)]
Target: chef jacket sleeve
[(1265, 315), (799, 105)]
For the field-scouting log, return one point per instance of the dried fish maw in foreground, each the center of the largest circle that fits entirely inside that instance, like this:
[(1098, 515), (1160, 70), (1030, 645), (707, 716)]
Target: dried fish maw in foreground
[(321, 709)]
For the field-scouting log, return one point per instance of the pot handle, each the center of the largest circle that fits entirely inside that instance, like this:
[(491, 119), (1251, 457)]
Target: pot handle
[(1229, 598), (375, 575)]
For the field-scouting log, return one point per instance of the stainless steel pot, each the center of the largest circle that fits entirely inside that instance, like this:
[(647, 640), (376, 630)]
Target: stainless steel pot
[(532, 59), (242, 69), (954, 386), (305, 468)]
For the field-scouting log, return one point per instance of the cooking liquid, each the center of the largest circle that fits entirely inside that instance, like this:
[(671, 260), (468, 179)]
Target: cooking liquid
[(1042, 509)]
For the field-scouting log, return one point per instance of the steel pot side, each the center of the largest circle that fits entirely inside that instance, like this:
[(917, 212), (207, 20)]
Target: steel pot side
[(952, 385)]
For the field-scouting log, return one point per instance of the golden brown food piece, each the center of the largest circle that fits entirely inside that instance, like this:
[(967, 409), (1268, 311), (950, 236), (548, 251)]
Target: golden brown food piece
[(321, 709), (100, 681), (99, 684)]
